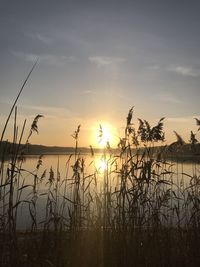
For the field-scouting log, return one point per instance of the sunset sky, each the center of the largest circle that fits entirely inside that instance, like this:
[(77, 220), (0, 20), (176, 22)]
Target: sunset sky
[(97, 59)]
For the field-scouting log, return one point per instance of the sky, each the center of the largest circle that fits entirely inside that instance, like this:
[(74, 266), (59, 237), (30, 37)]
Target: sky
[(97, 59)]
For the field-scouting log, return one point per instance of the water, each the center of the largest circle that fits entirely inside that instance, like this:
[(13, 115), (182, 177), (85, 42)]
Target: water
[(60, 167), (92, 170)]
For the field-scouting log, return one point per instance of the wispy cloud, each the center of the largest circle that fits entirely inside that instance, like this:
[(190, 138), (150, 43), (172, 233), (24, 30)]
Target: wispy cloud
[(154, 67), (185, 71), (166, 97), (48, 111), (56, 60), (173, 100), (41, 38), (186, 119), (86, 92), (102, 61)]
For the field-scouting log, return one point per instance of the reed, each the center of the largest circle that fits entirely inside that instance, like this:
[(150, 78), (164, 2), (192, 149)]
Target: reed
[(134, 213)]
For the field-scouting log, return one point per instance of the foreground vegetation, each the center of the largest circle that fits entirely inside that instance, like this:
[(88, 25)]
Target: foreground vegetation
[(138, 211)]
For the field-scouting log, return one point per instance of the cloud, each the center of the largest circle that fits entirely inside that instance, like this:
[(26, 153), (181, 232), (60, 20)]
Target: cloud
[(169, 98), (56, 60), (172, 99), (102, 61), (185, 71), (48, 111), (40, 37), (154, 67), (185, 119), (43, 39), (86, 92)]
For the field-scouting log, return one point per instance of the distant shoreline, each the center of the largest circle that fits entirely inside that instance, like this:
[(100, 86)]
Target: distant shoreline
[(186, 153)]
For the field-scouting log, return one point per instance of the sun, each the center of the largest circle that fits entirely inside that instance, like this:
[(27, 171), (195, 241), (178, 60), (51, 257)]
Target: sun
[(104, 133)]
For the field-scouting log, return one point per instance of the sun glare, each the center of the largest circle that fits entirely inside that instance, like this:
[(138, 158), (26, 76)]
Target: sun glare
[(104, 133), (101, 165)]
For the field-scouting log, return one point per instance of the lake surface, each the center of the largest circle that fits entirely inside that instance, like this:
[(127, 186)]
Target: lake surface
[(92, 169)]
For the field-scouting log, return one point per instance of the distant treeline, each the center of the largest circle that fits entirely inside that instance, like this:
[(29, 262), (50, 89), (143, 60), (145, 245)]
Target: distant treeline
[(8, 148), (186, 151)]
